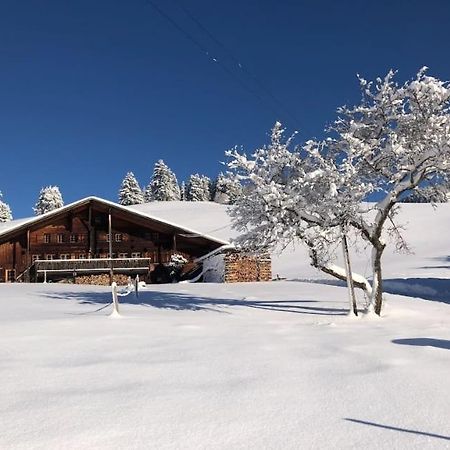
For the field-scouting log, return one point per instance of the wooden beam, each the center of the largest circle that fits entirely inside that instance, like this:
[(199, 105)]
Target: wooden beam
[(111, 270), (28, 259), (92, 242)]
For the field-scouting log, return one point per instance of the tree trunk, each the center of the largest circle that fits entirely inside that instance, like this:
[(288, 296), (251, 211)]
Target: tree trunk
[(377, 283), (348, 269), (358, 280)]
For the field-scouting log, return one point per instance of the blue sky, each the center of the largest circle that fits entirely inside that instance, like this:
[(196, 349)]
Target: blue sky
[(93, 89)]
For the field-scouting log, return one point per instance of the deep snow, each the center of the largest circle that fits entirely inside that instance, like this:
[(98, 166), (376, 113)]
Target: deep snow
[(246, 366)]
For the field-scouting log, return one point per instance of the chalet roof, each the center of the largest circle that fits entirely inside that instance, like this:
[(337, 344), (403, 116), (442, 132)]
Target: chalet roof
[(7, 228), (209, 218)]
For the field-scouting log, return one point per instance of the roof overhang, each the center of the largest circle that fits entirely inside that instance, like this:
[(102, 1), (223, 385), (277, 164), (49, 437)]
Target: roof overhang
[(106, 205)]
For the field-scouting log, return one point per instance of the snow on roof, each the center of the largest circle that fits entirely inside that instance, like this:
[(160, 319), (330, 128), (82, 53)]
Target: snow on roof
[(6, 226), (167, 211), (209, 218)]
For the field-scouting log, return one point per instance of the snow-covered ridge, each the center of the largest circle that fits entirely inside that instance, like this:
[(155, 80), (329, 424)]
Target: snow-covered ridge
[(425, 230)]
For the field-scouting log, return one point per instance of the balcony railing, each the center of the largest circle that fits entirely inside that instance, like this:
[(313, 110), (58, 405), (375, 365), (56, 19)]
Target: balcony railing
[(93, 265)]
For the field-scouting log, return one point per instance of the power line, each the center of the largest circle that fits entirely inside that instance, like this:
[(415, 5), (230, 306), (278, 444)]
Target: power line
[(202, 48), (215, 60), (241, 66)]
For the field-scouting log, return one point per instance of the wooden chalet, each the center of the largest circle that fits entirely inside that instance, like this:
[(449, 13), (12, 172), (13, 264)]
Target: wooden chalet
[(92, 237)]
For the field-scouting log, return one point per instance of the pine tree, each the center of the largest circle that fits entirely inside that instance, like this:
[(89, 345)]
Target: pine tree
[(50, 198), (130, 192), (198, 188), (183, 191), (5, 211), (226, 189), (163, 185)]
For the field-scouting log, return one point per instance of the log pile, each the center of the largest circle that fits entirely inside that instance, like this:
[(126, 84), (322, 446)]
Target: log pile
[(247, 268), (101, 279)]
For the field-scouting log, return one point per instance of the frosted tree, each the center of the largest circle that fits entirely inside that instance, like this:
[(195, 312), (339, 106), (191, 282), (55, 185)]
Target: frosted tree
[(163, 185), (50, 198), (227, 189), (183, 191), (5, 211), (296, 195), (198, 188), (398, 139), (427, 194), (130, 192)]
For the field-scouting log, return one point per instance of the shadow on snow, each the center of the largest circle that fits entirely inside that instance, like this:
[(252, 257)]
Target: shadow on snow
[(404, 430), (424, 342), (435, 289), (181, 301)]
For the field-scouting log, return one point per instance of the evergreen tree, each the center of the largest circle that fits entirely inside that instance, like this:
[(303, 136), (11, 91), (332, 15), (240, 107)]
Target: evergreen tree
[(50, 198), (198, 188), (163, 185), (183, 191), (130, 192), (226, 189), (5, 211)]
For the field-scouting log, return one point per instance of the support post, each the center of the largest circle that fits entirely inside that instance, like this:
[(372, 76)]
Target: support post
[(111, 271), (28, 262), (348, 270), (115, 298)]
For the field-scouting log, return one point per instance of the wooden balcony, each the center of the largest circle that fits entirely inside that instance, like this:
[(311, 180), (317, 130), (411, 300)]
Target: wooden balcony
[(92, 266)]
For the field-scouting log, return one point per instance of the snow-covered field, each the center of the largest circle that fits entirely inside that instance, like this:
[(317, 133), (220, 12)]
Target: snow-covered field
[(247, 366)]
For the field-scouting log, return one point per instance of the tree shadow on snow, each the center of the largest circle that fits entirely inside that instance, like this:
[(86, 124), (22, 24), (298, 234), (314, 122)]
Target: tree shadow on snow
[(436, 289), (181, 301), (445, 259), (424, 342), (404, 430)]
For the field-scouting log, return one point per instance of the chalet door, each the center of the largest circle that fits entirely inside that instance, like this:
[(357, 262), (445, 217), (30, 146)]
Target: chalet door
[(10, 276)]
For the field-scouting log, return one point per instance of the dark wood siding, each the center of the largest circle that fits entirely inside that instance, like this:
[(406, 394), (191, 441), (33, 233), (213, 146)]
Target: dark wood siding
[(83, 232)]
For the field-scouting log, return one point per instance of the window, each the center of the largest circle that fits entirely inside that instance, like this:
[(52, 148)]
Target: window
[(119, 237), (59, 238), (73, 238), (34, 257), (107, 237), (81, 256), (64, 256), (46, 238), (49, 257), (10, 275), (123, 255), (136, 255), (112, 257)]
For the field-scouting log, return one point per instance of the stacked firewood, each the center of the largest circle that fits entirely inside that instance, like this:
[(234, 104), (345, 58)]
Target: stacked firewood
[(101, 279), (246, 268)]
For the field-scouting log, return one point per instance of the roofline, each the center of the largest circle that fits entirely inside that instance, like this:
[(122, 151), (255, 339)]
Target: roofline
[(215, 252), (109, 203)]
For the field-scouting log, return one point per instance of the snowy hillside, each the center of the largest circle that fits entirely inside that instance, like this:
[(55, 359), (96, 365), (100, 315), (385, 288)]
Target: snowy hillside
[(426, 231), (275, 365)]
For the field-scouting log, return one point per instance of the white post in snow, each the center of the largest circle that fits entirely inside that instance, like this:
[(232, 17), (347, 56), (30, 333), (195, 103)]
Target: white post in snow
[(45, 276), (136, 286), (115, 298), (348, 272)]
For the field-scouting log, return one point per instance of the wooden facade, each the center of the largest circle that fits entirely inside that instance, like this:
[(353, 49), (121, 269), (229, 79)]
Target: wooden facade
[(93, 235)]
